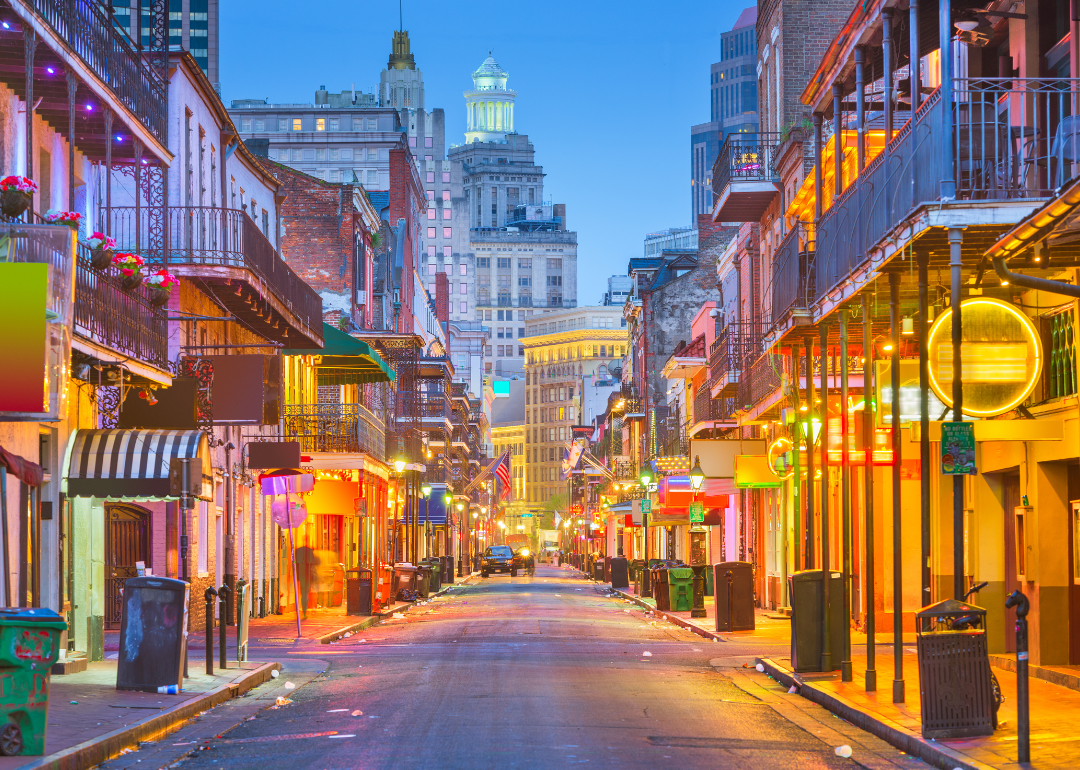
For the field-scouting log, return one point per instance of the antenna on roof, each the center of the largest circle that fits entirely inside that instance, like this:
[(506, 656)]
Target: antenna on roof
[(401, 22)]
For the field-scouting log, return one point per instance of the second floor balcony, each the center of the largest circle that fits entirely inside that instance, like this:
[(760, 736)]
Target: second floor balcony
[(729, 354), (226, 252), (744, 178), (337, 428)]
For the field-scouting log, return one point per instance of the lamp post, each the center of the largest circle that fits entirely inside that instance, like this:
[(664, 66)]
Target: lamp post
[(698, 562), (646, 477), (425, 491)]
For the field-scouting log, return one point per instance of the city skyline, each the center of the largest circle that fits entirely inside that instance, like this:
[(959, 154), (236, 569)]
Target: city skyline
[(448, 50)]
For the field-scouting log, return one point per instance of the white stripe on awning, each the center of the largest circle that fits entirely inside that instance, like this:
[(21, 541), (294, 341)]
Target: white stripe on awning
[(132, 463)]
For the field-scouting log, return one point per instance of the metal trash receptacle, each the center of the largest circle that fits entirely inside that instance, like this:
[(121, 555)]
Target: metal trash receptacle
[(735, 597), (660, 587), (447, 575), (620, 573), (153, 639), (807, 619), (29, 646), (954, 672), (598, 571), (358, 591), (680, 589)]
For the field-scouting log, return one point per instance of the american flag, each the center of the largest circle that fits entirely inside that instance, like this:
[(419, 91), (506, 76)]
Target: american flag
[(502, 470)]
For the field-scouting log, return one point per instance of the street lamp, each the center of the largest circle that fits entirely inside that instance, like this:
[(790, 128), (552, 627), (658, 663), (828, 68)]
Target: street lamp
[(426, 490), (696, 474), (646, 475), (399, 464), (460, 506)]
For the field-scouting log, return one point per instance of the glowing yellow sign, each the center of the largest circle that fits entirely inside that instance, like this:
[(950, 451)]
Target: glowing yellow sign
[(1000, 357), (778, 461)]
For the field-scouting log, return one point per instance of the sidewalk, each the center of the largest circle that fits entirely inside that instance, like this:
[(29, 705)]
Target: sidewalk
[(90, 720), (1054, 707)]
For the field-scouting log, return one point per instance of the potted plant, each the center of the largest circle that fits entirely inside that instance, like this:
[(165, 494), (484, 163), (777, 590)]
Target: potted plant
[(161, 284), (69, 218), (130, 266), (101, 250), (15, 193)]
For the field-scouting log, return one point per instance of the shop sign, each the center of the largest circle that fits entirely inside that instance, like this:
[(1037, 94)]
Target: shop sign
[(646, 505), (575, 509), (1000, 356), (958, 448), (697, 513)]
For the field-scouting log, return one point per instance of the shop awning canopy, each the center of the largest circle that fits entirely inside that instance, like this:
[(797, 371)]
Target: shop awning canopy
[(676, 492), (133, 464), (345, 360)]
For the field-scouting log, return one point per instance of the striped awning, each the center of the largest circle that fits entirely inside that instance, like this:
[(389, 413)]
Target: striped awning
[(132, 464)]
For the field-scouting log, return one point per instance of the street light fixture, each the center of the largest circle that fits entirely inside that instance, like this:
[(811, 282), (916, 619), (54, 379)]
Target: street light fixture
[(646, 475), (475, 514), (696, 474), (460, 506), (448, 497), (399, 464), (426, 491)]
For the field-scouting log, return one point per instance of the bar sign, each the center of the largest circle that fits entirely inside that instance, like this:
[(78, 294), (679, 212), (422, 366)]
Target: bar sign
[(697, 513)]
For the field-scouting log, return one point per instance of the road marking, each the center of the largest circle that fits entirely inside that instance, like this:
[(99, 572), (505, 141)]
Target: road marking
[(269, 738)]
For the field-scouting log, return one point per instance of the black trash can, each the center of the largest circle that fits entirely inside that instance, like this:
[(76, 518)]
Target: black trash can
[(954, 672), (358, 591), (734, 595), (807, 620), (620, 575), (598, 571), (446, 577), (660, 586), (153, 640)]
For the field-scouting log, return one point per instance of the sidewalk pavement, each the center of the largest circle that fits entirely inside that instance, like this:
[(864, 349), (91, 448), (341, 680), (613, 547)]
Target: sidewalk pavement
[(90, 720), (1054, 699)]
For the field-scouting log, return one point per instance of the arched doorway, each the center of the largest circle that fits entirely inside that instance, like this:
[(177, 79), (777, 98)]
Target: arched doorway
[(127, 541)]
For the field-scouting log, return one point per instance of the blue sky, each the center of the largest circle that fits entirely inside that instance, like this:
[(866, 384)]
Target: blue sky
[(607, 91)]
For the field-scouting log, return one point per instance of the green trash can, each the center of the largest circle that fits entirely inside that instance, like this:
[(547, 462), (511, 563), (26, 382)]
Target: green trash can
[(680, 589), (436, 572), (29, 646), (423, 580)]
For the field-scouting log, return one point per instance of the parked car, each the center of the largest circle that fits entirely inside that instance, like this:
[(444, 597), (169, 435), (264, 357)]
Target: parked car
[(524, 560), (497, 558)]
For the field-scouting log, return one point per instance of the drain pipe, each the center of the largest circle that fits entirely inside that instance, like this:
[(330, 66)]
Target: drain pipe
[(1031, 282)]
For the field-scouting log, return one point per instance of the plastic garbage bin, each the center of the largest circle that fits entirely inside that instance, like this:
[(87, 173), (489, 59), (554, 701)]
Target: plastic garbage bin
[(153, 638), (680, 589), (660, 587), (620, 576), (423, 580), (734, 595), (405, 576), (383, 596), (29, 646), (807, 619), (358, 591), (435, 565), (954, 672)]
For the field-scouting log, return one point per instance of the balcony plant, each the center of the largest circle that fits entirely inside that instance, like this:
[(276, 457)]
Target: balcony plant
[(161, 284), (69, 218), (102, 248), (130, 266), (15, 194)]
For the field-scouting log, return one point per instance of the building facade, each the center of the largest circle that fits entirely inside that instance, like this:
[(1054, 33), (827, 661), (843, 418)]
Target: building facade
[(566, 352)]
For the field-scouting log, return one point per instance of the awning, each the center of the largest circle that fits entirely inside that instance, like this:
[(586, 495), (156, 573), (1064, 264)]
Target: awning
[(132, 464), (676, 492), (25, 471), (345, 360)]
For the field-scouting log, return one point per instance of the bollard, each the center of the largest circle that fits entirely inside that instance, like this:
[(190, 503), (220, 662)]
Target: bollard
[(210, 595), (1023, 726), (730, 599), (698, 608), (223, 626)]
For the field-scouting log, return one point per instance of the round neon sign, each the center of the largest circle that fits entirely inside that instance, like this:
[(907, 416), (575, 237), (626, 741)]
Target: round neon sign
[(1000, 355), (778, 462)]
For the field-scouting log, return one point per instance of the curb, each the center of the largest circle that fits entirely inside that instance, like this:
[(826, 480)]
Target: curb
[(931, 752), (378, 617), (683, 622), (1060, 678), (105, 747)]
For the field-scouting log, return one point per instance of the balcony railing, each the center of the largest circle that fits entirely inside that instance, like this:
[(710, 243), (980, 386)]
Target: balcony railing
[(730, 352), (793, 280), (344, 428), (86, 28), (745, 158), (761, 379), (1012, 138), (203, 235), (707, 408), (123, 321)]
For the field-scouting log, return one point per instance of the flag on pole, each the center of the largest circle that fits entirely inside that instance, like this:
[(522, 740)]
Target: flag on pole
[(502, 470)]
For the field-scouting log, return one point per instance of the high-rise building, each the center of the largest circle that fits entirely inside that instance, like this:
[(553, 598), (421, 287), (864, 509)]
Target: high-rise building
[(524, 258), (733, 106), (618, 289), (569, 355), (193, 26), (682, 238)]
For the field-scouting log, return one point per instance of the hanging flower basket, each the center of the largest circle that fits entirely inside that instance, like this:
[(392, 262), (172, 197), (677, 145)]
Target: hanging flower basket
[(15, 193), (69, 218), (130, 266), (102, 249), (161, 284)]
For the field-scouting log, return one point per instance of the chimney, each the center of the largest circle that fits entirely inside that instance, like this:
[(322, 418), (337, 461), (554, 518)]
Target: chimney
[(442, 299)]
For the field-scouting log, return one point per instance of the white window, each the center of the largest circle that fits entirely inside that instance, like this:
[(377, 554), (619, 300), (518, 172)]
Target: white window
[(320, 153), (372, 177), (464, 307), (371, 124), (335, 124), (259, 124), (297, 124), (282, 124), (296, 154), (373, 154), (335, 175), (320, 124), (335, 153), (245, 124)]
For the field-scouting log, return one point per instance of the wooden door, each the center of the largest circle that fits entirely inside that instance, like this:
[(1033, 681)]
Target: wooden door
[(127, 541), (1010, 498)]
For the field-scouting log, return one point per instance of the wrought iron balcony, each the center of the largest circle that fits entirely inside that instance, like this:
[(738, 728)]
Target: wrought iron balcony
[(122, 321), (344, 428), (223, 248), (761, 380), (794, 279), (729, 354), (86, 28), (744, 177), (709, 409)]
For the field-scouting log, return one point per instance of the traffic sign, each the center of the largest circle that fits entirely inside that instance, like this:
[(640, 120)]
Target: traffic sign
[(646, 505)]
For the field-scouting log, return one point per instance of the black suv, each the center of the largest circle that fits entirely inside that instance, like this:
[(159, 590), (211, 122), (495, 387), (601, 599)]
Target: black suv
[(524, 560), (498, 558)]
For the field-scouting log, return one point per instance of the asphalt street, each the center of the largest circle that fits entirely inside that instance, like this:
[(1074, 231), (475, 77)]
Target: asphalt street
[(539, 672)]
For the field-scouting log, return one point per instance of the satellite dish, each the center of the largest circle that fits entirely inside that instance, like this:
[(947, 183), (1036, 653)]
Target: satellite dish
[(293, 517)]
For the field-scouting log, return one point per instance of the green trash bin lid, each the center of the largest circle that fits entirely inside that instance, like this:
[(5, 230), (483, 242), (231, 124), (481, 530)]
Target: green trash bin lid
[(680, 573), (38, 617)]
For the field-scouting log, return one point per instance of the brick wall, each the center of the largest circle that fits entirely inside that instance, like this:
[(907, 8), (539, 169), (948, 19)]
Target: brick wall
[(442, 298), (406, 195)]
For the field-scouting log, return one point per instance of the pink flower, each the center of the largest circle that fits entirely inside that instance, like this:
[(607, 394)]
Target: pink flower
[(129, 264), (162, 279), (101, 241), (20, 183)]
